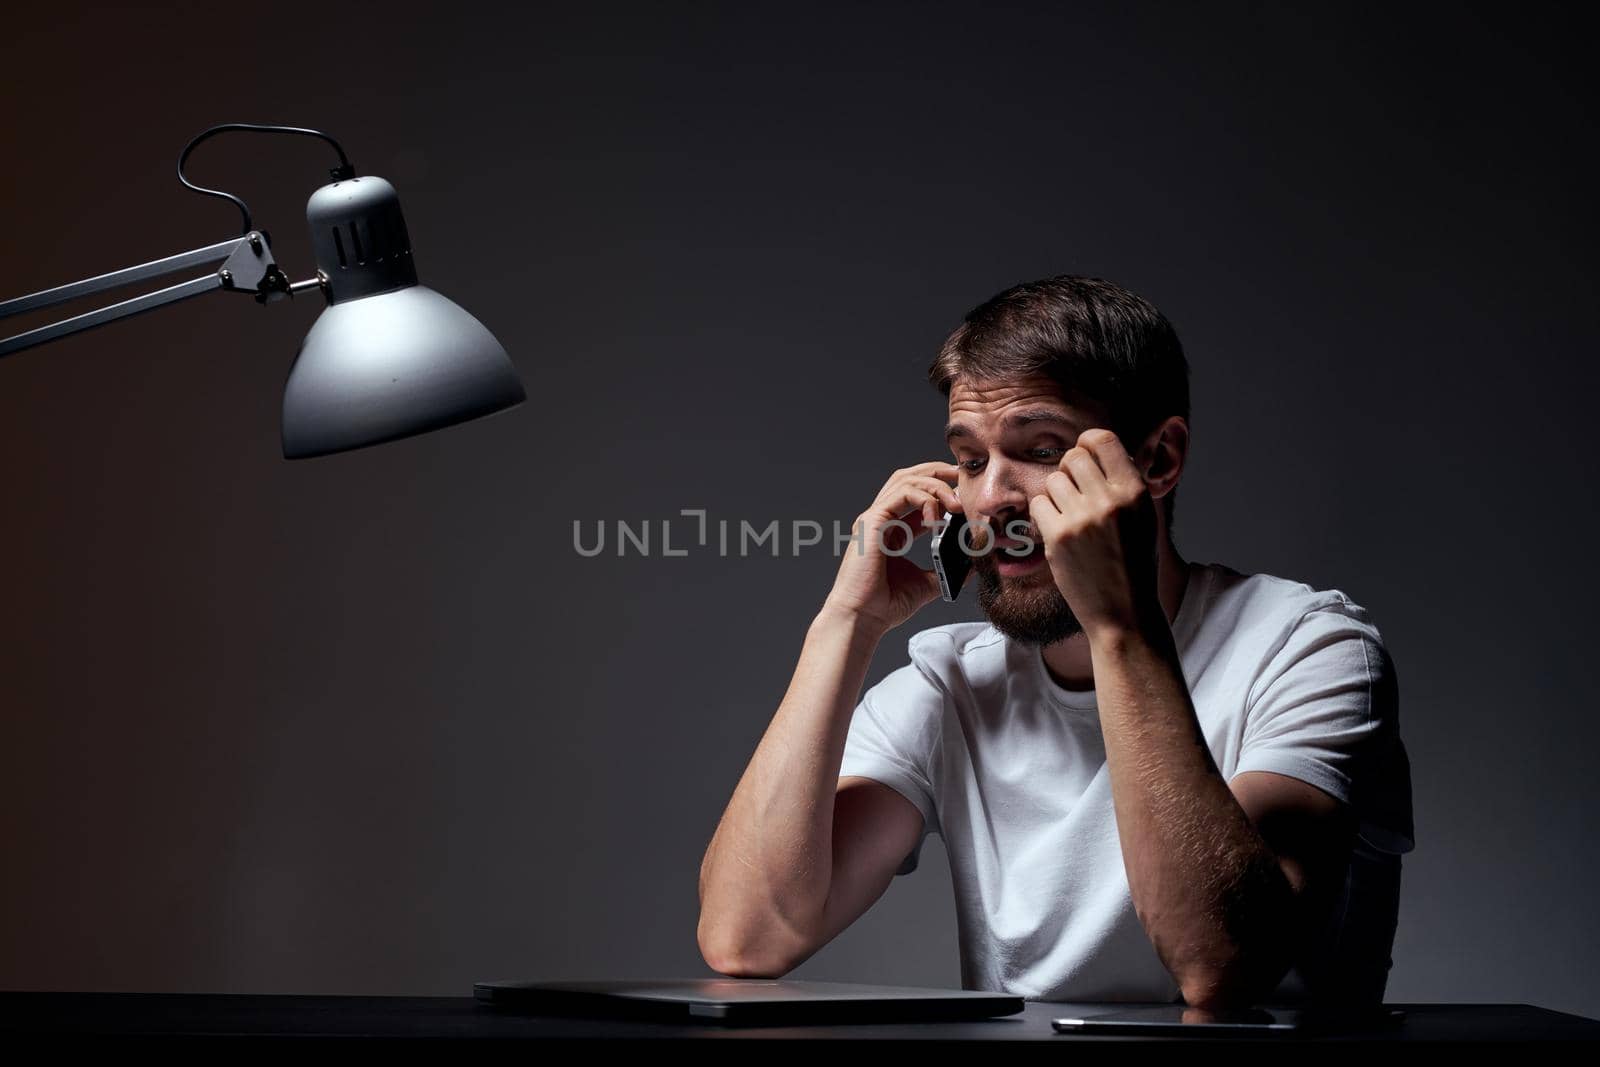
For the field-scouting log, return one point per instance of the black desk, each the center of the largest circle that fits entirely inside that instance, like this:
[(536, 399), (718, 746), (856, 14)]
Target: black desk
[(57, 1015)]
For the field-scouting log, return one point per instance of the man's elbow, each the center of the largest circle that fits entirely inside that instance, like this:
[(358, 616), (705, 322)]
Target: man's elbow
[(742, 958), (1209, 989), (1245, 966), (1238, 981), (744, 966), (744, 963)]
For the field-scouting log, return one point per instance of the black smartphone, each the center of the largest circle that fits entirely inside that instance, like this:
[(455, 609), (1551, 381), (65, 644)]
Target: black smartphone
[(1175, 1019), (951, 562)]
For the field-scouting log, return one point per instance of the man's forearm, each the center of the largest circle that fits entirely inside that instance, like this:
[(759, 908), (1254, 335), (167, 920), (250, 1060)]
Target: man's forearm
[(765, 876), (1209, 891)]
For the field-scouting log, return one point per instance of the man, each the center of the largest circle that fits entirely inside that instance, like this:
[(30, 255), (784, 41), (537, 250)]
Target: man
[(1154, 779)]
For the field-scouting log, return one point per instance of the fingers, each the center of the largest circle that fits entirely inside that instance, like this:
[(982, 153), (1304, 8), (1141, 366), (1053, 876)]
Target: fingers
[(918, 496), (1097, 468), (946, 496), (943, 469), (1084, 469), (930, 475), (932, 469), (1059, 488), (1112, 459), (1097, 471), (1044, 513), (933, 498), (919, 509), (932, 479)]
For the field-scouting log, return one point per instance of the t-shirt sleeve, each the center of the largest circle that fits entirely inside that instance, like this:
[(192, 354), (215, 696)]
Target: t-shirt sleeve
[(1325, 710), (891, 740)]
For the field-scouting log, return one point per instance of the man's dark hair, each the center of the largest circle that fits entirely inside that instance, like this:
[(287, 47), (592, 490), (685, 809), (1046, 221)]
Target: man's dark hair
[(1100, 342)]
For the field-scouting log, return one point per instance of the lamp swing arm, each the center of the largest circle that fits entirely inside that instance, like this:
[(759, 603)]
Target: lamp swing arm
[(247, 266), (247, 263), (386, 358)]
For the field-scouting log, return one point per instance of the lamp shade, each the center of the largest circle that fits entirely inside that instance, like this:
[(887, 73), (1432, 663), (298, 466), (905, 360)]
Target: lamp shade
[(389, 366), (388, 357)]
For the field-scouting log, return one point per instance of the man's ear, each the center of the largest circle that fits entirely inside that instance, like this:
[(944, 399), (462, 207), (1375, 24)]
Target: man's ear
[(1162, 457)]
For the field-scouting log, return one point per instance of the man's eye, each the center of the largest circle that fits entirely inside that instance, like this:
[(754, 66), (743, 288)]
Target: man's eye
[(971, 465), (1047, 453)]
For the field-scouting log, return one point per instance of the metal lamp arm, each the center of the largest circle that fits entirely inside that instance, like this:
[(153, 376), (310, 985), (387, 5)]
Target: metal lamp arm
[(247, 266)]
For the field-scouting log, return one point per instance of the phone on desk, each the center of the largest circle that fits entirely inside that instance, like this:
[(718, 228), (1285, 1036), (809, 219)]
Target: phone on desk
[(1176, 1019), (951, 562)]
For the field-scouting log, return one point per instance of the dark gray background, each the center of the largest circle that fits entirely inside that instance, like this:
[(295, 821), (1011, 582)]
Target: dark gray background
[(369, 724)]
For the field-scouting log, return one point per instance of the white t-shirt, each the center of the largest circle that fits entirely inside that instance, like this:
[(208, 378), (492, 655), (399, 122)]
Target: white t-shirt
[(1009, 769)]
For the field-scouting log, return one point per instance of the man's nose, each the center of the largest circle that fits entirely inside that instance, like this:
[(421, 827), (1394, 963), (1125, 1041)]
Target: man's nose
[(996, 496)]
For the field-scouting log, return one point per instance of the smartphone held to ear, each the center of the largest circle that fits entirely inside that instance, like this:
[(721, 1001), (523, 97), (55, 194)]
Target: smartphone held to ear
[(951, 561)]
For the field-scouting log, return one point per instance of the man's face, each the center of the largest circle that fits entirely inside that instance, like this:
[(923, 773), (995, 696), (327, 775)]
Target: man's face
[(1007, 437)]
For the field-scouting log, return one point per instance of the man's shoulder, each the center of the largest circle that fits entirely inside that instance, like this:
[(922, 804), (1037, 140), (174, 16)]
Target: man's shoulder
[(956, 648), (955, 637), (1241, 603)]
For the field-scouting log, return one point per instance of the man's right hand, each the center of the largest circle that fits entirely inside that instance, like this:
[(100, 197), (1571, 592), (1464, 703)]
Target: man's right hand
[(877, 581)]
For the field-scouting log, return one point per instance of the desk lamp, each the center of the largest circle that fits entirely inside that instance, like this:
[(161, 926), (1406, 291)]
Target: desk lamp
[(387, 358)]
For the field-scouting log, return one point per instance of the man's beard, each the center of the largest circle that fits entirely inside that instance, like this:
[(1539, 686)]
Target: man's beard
[(1029, 608)]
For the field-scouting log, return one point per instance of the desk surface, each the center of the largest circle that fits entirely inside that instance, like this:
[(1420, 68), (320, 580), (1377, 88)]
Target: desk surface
[(251, 1015)]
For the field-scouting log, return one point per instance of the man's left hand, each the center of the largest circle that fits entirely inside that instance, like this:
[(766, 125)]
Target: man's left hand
[(1098, 525)]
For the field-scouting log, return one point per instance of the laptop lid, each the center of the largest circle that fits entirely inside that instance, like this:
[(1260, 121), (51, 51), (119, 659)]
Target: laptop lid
[(738, 1000)]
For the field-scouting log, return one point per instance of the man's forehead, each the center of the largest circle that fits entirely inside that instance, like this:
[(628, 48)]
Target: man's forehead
[(979, 396), (986, 404)]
